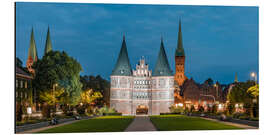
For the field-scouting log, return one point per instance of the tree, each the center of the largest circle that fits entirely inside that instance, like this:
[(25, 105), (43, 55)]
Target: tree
[(18, 62), (239, 94), (72, 88), (254, 90), (58, 68), (89, 96), (52, 96), (97, 84), (209, 81)]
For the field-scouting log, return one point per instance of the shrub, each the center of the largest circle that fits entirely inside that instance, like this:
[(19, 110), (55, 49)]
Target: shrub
[(177, 110), (192, 108), (201, 109), (237, 115), (105, 109), (81, 110), (244, 117), (255, 119), (113, 114)]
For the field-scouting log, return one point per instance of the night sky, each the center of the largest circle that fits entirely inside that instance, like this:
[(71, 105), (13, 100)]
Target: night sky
[(219, 41)]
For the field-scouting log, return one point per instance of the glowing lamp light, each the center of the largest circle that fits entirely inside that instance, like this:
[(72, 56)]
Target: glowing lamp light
[(180, 104), (252, 74), (29, 110), (219, 106), (236, 105)]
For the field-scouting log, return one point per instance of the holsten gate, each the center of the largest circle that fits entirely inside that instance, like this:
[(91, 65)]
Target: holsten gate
[(135, 90), (141, 90)]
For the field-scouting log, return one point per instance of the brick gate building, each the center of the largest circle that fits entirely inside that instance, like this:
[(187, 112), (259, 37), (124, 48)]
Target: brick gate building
[(135, 90)]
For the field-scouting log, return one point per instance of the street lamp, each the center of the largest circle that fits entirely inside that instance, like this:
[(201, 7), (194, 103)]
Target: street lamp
[(54, 85), (254, 75)]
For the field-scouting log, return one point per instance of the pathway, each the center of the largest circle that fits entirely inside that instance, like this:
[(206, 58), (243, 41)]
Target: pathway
[(141, 123), (230, 123)]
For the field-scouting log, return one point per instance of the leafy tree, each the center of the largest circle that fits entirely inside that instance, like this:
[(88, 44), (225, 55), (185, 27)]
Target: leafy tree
[(88, 96), (51, 97), (18, 62), (239, 94), (209, 81), (254, 90), (72, 90), (201, 109), (97, 84), (58, 68)]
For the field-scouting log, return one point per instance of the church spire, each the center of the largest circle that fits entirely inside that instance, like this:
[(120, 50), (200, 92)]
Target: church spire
[(162, 67), (123, 67), (235, 78), (32, 52), (48, 45), (180, 50)]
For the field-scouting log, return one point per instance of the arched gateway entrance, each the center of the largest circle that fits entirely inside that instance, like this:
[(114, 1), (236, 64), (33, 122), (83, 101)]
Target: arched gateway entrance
[(141, 110)]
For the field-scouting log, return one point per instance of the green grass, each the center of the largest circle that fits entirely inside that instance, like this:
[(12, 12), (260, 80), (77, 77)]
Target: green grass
[(99, 124), (180, 122)]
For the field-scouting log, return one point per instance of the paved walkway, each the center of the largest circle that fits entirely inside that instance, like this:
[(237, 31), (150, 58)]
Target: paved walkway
[(233, 124), (141, 123), (48, 127)]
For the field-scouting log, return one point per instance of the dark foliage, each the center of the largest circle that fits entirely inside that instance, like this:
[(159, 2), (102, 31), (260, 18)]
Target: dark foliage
[(97, 83)]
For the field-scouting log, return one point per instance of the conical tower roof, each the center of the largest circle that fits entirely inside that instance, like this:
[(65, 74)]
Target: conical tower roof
[(48, 45), (122, 67), (162, 67), (32, 51), (180, 50)]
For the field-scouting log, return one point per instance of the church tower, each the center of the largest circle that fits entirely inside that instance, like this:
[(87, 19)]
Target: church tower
[(32, 53), (235, 78), (180, 60), (48, 45)]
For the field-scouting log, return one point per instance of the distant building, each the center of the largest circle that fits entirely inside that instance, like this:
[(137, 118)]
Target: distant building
[(23, 91), (141, 90), (201, 94), (187, 91)]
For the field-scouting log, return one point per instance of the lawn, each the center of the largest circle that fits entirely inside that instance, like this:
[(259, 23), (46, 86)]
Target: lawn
[(99, 124), (181, 122)]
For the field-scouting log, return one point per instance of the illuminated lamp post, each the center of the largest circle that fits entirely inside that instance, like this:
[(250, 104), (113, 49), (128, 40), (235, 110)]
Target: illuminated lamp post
[(54, 86), (254, 75)]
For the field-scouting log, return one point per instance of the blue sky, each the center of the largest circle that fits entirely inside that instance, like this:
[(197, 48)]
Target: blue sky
[(219, 41)]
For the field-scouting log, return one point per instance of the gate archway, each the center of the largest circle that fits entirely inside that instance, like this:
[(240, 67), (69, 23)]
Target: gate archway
[(141, 110)]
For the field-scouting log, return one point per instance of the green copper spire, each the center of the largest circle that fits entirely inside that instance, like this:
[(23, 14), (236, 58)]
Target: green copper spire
[(48, 45), (32, 51), (236, 78), (180, 50), (162, 67), (122, 67)]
